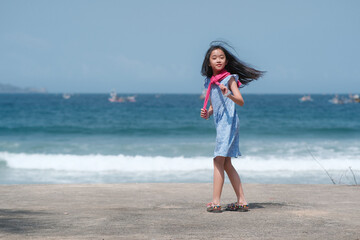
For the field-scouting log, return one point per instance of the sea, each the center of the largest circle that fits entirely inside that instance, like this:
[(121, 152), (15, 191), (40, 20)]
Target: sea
[(47, 139)]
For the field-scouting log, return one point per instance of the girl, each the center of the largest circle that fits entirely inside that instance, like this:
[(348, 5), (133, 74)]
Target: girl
[(224, 75)]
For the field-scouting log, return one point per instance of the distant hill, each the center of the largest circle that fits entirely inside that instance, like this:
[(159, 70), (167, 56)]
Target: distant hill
[(7, 88)]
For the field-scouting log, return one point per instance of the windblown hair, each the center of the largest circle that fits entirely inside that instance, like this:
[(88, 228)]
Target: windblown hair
[(234, 66)]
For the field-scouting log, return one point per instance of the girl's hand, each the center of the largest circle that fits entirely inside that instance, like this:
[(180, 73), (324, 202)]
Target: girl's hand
[(223, 89), (204, 113)]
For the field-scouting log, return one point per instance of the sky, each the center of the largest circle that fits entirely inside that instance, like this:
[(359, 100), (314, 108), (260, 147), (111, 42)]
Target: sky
[(158, 46)]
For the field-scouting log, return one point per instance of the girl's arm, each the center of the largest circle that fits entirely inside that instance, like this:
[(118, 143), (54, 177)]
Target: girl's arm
[(236, 96)]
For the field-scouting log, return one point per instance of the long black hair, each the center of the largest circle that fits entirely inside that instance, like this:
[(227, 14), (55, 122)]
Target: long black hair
[(234, 66)]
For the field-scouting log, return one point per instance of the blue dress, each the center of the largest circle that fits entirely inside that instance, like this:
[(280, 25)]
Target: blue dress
[(226, 120)]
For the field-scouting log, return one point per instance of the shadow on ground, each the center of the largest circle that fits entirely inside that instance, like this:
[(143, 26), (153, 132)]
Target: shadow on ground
[(22, 221), (266, 205)]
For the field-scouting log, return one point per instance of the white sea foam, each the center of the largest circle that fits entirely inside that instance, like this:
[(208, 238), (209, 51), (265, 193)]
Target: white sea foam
[(93, 163)]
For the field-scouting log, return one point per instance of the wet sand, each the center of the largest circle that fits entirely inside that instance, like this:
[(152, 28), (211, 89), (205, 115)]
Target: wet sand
[(177, 211)]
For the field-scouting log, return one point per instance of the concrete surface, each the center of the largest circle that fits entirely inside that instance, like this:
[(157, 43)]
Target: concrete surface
[(177, 211)]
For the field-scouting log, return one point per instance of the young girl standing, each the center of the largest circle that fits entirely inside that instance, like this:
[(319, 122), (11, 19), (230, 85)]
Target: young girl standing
[(224, 75)]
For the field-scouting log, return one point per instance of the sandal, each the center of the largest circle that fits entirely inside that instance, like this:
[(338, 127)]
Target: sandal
[(213, 208), (243, 208), (232, 207), (237, 207)]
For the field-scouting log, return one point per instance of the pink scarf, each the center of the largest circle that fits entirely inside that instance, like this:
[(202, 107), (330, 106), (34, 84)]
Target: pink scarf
[(215, 80)]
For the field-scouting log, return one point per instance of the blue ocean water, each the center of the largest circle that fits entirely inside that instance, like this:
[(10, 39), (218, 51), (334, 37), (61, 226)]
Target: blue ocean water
[(45, 138)]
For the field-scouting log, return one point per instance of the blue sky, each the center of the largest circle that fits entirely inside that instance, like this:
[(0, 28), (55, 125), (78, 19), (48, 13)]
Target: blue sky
[(309, 46)]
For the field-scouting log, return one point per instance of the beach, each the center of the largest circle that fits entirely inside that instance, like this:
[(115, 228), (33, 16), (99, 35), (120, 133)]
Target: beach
[(177, 211), (103, 133), (87, 168)]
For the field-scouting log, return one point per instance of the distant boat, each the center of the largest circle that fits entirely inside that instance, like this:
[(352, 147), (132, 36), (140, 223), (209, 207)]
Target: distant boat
[(306, 98), (343, 100), (131, 99), (115, 98), (336, 100), (66, 96), (354, 98)]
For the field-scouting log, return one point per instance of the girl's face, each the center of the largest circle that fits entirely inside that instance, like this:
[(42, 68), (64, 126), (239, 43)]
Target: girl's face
[(217, 60)]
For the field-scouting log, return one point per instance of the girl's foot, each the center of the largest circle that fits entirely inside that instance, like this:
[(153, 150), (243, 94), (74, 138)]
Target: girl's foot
[(232, 207), (210, 207), (237, 207), (243, 207)]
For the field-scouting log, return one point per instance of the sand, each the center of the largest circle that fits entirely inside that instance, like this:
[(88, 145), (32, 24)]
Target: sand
[(177, 211)]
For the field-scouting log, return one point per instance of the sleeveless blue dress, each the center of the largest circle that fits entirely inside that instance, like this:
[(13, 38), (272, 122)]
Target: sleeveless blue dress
[(226, 120)]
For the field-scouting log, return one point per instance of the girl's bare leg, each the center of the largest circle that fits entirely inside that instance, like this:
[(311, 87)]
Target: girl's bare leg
[(218, 179), (235, 181)]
